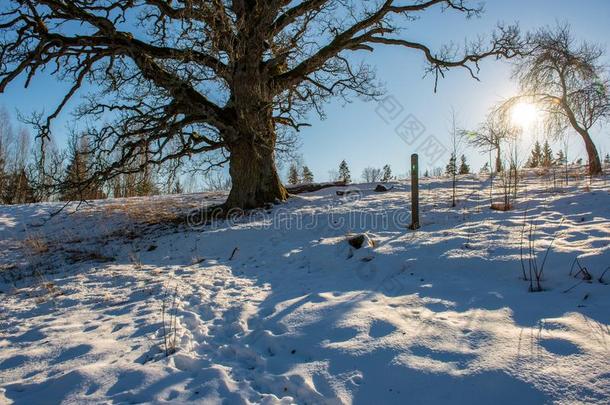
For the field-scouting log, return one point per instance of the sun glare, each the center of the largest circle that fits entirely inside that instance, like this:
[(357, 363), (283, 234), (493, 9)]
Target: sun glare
[(524, 114)]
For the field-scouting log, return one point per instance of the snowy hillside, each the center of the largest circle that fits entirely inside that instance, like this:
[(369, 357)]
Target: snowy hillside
[(277, 307)]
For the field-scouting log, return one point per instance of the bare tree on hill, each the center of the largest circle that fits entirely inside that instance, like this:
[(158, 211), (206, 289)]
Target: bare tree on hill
[(491, 135), (568, 80), (372, 174)]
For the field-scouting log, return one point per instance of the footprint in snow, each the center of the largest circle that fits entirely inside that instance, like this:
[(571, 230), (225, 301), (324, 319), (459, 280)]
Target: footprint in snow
[(458, 359), (381, 328), (560, 347), (119, 326), (343, 334), (72, 353)]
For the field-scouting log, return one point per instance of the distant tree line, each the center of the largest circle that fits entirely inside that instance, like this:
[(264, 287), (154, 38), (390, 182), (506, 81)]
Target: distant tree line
[(15, 175), (25, 178)]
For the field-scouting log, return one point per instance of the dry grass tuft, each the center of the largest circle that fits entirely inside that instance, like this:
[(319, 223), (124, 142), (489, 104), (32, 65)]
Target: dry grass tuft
[(35, 245), (134, 258)]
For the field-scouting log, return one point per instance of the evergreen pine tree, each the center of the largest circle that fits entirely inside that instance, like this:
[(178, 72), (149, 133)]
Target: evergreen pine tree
[(547, 155), (426, 173), (607, 159), (307, 175), (293, 174), (145, 187), (344, 173), (145, 180), (485, 168), (464, 168), (18, 188), (535, 159), (561, 158), (77, 172), (178, 187), (387, 174), (451, 168)]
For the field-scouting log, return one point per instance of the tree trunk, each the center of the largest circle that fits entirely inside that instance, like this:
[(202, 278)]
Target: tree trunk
[(498, 160), (595, 165), (254, 177)]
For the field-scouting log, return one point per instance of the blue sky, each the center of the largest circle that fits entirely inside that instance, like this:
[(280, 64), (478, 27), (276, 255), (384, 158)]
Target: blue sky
[(355, 131)]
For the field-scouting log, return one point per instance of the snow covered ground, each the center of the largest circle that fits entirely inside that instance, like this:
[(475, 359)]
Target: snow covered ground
[(278, 308)]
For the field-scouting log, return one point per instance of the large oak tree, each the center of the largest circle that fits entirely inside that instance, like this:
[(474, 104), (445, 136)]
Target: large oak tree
[(169, 79)]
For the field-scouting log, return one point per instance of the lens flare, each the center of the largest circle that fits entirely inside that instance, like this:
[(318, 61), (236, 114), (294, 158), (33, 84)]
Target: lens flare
[(524, 114)]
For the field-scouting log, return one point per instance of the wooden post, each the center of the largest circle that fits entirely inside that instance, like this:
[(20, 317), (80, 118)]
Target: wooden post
[(414, 192)]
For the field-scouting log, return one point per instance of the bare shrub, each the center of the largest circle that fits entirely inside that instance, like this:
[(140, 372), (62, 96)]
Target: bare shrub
[(371, 174), (134, 258), (535, 269), (169, 320)]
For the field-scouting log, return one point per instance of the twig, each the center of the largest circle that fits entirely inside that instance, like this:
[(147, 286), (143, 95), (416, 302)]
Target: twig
[(521, 244), (601, 278), (163, 321), (233, 254), (586, 276), (550, 246), (574, 286), (576, 261), (173, 348)]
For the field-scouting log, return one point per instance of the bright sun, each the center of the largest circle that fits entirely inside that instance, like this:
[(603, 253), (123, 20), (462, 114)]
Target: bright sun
[(524, 114)]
